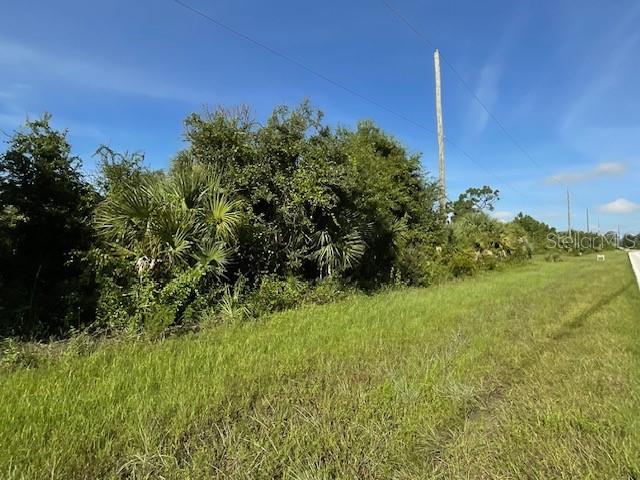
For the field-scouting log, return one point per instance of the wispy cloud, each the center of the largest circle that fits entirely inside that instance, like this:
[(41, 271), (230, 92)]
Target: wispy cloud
[(503, 216), (616, 51), (621, 205), (487, 91), (93, 73), (606, 169), (488, 85)]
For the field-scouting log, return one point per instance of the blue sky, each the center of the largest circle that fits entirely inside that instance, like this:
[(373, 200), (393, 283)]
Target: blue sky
[(561, 77)]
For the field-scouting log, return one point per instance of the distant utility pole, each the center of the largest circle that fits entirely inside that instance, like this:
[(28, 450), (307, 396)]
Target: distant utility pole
[(618, 235), (588, 229), (568, 212), (443, 193), (598, 225)]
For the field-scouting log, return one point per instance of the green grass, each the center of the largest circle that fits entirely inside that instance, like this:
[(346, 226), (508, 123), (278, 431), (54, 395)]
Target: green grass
[(528, 373)]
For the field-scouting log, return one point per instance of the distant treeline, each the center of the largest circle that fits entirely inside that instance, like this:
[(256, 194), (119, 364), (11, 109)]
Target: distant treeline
[(248, 219)]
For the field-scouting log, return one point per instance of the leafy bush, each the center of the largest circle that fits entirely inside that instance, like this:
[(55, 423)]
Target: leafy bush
[(165, 238), (420, 260), (251, 218), (318, 203), (327, 290), (274, 294), (46, 284), (14, 355), (463, 263), (553, 257), (232, 306)]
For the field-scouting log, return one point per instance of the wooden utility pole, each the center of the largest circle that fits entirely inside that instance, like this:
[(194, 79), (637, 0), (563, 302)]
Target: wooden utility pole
[(568, 212), (443, 192), (588, 229), (618, 235)]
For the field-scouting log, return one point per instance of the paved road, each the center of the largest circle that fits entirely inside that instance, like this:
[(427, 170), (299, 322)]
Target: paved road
[(635, 263)]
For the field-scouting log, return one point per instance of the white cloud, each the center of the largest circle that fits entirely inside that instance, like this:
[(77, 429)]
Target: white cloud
[(503, 216), (487, 91), (93, 73), (606, 169), (487, 88), (611, 168), (621, 205)]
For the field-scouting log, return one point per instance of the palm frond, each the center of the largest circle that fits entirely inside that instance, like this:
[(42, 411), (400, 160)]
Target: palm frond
[(223, 214), (193, 183), (213, 254), (337, 254), (353, 248)]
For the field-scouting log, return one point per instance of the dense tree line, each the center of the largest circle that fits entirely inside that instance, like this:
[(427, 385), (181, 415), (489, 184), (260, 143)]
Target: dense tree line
[(247, 212), (46, 208)]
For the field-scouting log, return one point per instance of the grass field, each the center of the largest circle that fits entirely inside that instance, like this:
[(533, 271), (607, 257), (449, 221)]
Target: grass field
[(529, 373)]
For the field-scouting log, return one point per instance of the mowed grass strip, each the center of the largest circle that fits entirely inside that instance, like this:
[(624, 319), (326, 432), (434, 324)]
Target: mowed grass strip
[(527, 373)]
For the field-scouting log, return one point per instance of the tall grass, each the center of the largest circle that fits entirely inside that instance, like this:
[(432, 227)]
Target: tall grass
[(528, 373)]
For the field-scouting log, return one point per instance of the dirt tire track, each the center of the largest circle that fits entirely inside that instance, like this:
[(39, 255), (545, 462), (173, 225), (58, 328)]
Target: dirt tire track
[(486, 404)]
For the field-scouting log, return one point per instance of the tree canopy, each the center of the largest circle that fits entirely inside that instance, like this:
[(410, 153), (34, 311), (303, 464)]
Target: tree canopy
[(47, 207), (247, 210)]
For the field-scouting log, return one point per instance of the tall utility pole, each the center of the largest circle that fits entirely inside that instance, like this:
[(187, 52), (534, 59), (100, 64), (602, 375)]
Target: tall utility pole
[(569, 212), (443, 192), (588, 229)]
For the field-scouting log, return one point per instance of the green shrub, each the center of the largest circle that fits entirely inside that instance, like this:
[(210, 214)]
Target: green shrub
[(14, 355), (157, 318), (275, 294), (231, 305), (327, 290), (462, 264), (489, 261), (553, 257), (79, 343), (415, 266), (46, 285)]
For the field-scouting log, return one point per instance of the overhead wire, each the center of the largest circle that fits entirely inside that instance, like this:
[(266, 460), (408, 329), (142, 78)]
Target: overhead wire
[(471, 91), (337, 84)]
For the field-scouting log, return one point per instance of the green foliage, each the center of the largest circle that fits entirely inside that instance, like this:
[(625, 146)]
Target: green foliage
[(475, 200), (250, 218), (537, 232), (318, 203), (119, 171), (481, 240), (275, 294), (630, 241), (327, 290), (14, 356), (463, 263), (173, 234), (553, 257), (46, 285), (420, 260), (476, 380), (232, 306)]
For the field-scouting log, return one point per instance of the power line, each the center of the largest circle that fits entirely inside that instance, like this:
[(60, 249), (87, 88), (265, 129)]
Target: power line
[(466, 85), (463, 82), (300, 64), (482, 167), (333, 82)]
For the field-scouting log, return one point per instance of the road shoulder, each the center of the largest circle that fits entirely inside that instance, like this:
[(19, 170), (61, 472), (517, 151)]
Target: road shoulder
[(634, 257)]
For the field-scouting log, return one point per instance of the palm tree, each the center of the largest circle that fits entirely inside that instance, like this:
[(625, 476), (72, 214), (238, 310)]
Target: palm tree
[(336, 253), (179, 220)]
